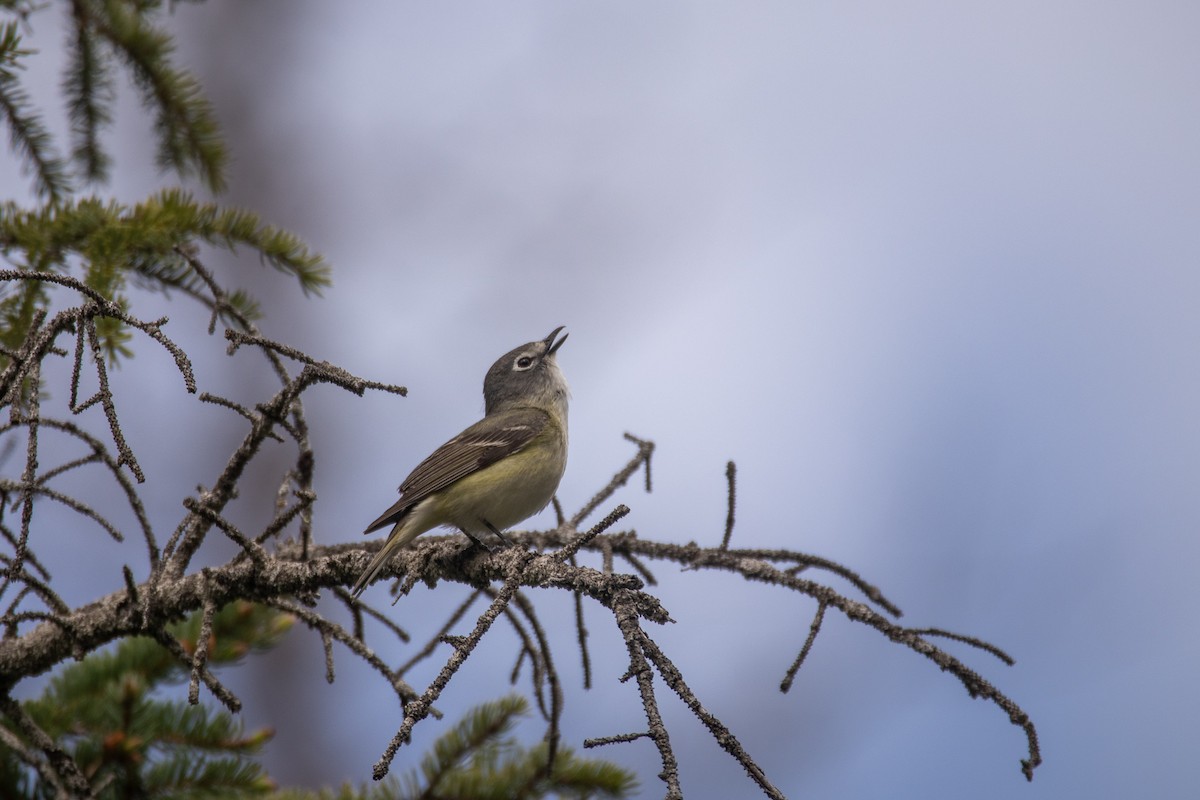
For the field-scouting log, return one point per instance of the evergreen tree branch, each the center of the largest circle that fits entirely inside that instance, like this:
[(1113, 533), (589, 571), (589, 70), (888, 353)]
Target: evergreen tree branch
[(105, 716), (484, 725), (478, 759), (90, 94), (189, 140), (26, 132)]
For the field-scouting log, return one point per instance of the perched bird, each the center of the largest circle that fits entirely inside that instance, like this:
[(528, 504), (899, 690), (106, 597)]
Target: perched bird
[(501, 470)]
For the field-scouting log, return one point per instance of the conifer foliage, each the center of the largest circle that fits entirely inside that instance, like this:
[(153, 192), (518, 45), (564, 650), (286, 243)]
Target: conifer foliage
[(479, 759), (113, 245), (116, 715)]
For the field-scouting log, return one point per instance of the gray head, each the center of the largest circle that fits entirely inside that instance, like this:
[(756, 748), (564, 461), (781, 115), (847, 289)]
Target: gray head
[(527, 376)]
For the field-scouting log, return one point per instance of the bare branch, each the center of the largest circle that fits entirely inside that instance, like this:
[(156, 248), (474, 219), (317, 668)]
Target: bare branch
[(645, 450), (336, 632), (813, 630), (440, 636), (31, 757), (639, 669), (545, 662), (252, 549), (172, 646), (731, 477), (200, 656), (971, 640), (581, 637), (323, 369), (571, 548), (417, 710), (71, 503), (67, 772), (674, 679), (41, 630)]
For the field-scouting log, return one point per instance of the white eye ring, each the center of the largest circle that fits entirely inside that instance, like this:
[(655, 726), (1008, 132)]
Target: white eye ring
[(523, 363)]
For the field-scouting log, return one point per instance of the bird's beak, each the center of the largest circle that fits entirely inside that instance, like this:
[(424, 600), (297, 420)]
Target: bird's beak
[(551, 345)]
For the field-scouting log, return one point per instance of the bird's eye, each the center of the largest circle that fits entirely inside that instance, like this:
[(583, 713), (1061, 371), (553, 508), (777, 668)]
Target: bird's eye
[(524, 362)]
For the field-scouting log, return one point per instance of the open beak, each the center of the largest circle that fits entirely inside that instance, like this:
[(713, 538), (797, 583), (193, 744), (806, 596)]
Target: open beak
[(551, 345)]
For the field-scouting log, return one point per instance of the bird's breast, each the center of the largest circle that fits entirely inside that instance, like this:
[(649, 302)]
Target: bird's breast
[(512, 489)]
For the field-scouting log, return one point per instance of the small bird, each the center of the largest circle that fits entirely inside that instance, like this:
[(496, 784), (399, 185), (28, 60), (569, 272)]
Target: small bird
[(501, 470)]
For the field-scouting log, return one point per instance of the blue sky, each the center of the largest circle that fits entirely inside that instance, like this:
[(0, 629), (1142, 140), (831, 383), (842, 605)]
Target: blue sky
[(928, 273)]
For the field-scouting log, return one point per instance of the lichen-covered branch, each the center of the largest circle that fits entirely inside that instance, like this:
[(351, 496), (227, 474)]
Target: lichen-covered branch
[(277, 564)]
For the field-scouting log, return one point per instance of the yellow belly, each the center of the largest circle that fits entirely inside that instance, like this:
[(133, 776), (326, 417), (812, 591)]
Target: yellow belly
[(509, 491)]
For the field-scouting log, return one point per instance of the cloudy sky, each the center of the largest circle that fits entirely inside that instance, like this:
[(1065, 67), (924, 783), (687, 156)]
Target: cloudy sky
[(926, 271)]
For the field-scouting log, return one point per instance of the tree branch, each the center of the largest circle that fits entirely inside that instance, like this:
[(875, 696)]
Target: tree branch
[(42, 631)]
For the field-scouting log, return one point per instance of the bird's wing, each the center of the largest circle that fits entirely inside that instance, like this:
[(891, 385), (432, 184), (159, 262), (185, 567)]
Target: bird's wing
[(484, 443)]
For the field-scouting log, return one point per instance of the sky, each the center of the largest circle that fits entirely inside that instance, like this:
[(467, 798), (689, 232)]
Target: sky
[(926, 272)]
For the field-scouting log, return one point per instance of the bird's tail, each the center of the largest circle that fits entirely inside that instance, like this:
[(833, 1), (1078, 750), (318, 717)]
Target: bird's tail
[(404, 532)]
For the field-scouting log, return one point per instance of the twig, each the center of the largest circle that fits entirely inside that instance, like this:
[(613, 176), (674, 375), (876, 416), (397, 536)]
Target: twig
[(200, 656), (172, 645), (645, 449), (813, 629), (731, 477), (124, 453), (417, 710), (553, 715), (571, 548), (581, 637), (639, 669), (14, 745), (971, 640), (249, 547), (674, 679), (65, 768), (327, 627), (433, 642)]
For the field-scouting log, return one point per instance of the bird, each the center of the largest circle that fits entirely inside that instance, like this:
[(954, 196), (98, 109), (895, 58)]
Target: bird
[(503, 469)]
